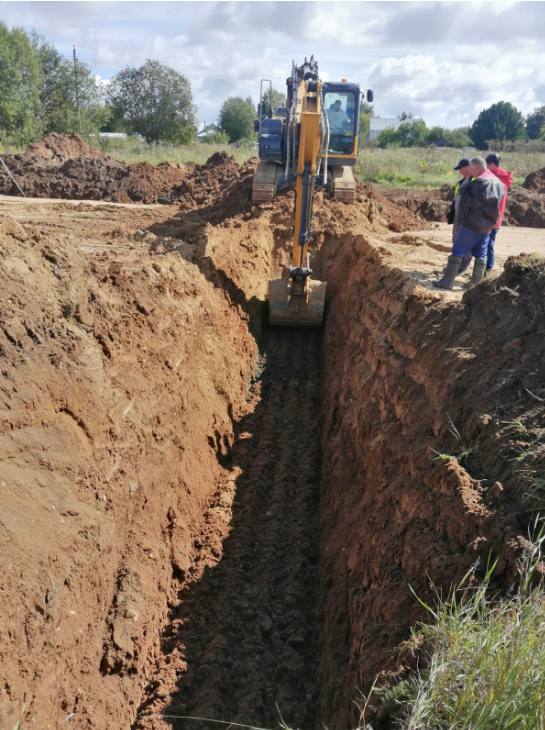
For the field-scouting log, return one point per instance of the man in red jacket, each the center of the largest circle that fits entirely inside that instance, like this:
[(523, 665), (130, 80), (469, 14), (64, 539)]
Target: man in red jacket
[(493, 164)]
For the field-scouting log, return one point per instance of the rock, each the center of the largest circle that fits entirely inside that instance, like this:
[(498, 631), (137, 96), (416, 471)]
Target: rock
[(494, 493)]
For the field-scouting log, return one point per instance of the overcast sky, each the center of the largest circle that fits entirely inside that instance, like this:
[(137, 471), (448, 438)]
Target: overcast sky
[(443, 61)]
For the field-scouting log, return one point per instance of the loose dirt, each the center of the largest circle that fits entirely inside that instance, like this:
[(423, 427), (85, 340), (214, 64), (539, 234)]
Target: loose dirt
[(63, 166), (199, 516), (524, 207), (535, 181)]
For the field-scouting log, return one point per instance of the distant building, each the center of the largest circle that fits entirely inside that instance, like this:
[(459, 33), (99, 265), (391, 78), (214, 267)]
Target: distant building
[(377, 124), (441, 142), (112, 135), (206, 130)]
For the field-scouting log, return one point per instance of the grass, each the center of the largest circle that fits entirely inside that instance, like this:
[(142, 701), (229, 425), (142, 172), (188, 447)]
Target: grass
[(432, 168), (416, 167), (463, 449), (132, 150), (485, 659), (532, 452)]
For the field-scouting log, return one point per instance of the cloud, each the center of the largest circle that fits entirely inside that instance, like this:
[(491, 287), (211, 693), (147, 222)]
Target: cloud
[(444, 61)]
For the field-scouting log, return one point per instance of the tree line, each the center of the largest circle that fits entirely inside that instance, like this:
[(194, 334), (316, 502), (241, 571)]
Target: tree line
[(500, 122), (42, 91)]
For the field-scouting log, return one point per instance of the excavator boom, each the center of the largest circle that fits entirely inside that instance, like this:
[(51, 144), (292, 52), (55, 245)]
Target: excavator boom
[(299, 301)]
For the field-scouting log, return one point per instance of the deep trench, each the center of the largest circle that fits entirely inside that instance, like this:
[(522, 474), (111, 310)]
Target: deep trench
[(249, 629)]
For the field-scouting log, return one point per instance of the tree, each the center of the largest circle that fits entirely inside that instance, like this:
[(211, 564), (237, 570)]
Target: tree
[(535, 122), (71, 97), (500, 121), (155, 101), (388, 137), (237, 118), (458, 137), (217, 137), (278, 99), (366, 112), (20, 82)]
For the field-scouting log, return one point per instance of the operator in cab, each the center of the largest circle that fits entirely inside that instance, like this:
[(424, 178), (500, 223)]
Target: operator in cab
[(337, 118)]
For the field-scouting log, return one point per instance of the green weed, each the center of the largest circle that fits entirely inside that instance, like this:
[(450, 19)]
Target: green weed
[(463, 450), (485, 658)]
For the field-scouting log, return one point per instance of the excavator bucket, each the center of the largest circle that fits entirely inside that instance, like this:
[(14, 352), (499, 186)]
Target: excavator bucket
[(289, 309)]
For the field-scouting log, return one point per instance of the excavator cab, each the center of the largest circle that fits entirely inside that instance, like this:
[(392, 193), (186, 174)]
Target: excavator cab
[(342, 104)]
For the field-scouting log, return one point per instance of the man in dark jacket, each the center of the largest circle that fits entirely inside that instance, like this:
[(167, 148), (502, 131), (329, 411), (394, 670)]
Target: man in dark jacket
[(453, 217), (479, 212)]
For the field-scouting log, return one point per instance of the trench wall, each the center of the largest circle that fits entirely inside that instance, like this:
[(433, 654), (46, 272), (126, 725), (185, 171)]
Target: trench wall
[(400, 368)]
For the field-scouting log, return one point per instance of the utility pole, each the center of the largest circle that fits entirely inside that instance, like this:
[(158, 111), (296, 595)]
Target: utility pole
[(77, 85)]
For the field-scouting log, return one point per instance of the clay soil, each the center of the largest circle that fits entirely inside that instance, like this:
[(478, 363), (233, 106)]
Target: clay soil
[(525, 203), (201, 516), (63, 166)]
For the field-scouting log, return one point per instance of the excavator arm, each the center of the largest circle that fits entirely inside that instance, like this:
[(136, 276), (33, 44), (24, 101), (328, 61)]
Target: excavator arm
[(299, 301)]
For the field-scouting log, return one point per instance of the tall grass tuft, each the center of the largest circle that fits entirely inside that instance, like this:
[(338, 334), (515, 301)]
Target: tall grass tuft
[(485, 664)]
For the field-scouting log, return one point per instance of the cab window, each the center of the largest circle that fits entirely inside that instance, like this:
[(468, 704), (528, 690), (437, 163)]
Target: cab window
[(341, 111)]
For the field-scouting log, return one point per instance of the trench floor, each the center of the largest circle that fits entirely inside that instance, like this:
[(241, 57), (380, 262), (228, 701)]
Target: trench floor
[(249, 630)]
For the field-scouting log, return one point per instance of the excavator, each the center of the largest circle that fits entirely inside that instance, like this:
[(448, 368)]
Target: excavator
[(311, 142)]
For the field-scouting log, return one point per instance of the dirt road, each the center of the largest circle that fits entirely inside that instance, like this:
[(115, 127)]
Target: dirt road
[(423, 254)]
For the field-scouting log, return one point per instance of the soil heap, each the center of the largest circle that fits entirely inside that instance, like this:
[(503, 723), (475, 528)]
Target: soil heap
[(63, 166), (535, 181), (525, 204)]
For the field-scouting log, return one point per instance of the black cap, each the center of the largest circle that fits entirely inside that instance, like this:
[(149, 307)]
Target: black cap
[(462, 163), (494, 159)]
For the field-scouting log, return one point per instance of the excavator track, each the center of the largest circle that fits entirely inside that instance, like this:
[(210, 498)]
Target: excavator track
[(264, 185), (343, 184)]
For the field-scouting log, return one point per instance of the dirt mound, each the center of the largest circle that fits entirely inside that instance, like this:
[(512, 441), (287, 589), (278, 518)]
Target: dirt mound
[(535, 181), (393, 211), (63, 166), (429, 205), (525, 205), (55, 145)]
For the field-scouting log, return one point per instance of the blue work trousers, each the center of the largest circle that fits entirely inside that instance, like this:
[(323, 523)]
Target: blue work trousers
[(490, 253), (469, 243), (466, 260)]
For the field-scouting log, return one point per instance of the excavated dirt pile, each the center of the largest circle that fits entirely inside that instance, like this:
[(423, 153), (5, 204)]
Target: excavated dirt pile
[(199, 516), (63, 166), (525, 204), (535, 181)]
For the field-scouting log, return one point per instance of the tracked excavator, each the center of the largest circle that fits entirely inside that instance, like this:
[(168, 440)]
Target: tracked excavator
[(311, 143)]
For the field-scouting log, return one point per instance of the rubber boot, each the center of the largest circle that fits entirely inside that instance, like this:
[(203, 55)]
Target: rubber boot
[(477, 275), (449, 274)]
